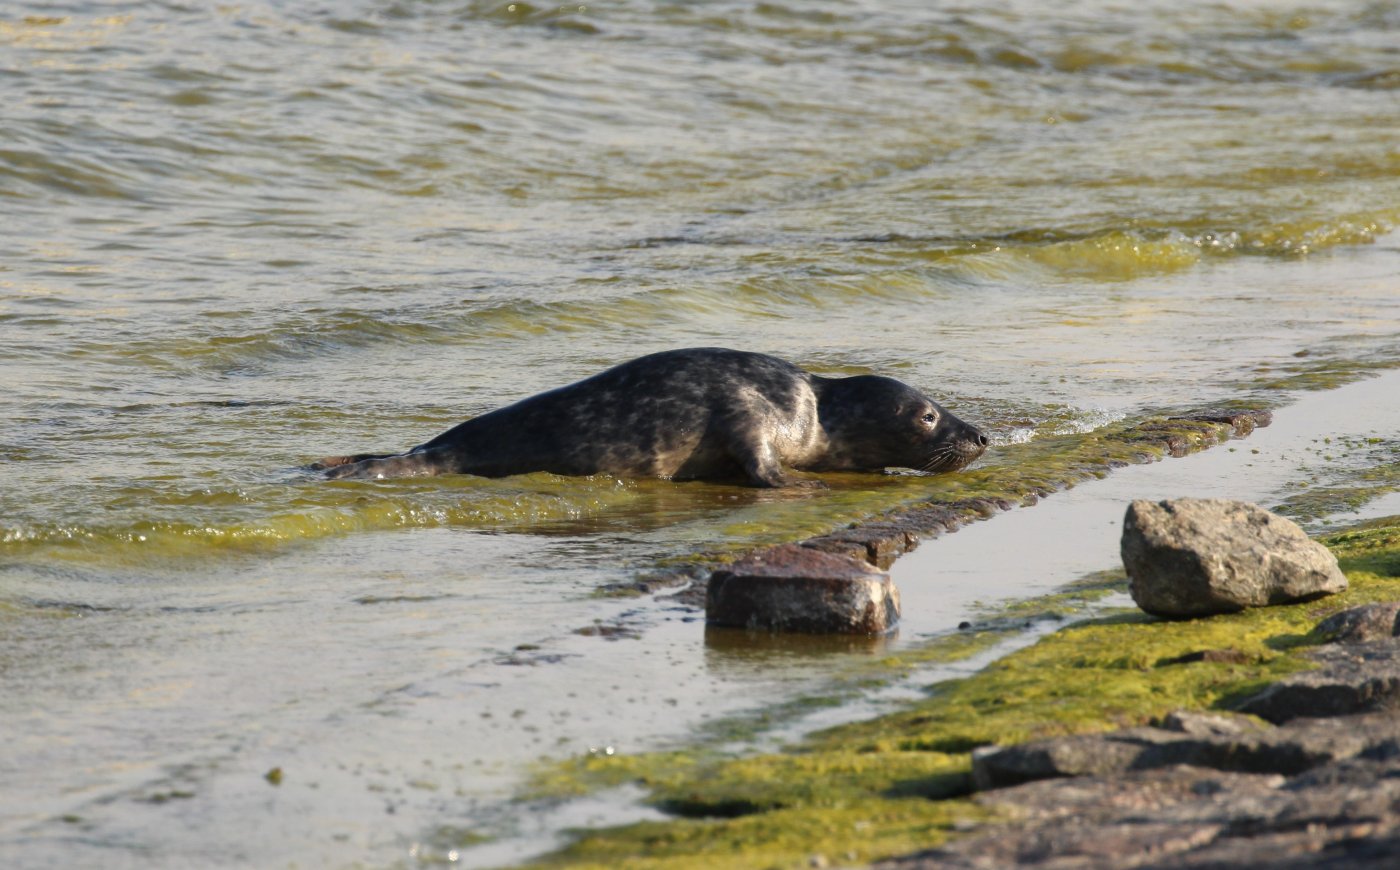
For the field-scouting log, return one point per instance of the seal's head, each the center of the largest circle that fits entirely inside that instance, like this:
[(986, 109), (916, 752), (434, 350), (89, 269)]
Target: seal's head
[(877, 422)]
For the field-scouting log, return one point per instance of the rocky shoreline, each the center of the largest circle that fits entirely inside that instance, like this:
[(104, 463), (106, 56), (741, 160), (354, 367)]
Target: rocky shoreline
[(1159, 696), (1343, 811), (1321, 789), (1304, 772), (1117, 741)]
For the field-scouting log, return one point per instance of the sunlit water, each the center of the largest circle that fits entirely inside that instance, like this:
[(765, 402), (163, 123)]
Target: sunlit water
[(240, 237)]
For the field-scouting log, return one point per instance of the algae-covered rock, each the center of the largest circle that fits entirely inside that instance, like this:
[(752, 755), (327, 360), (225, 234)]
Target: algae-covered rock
[(1352, 679), (1076, 755), (1196, 557), (1208, 724), (1362, 624), (1198, 740), (794, 588), (1223, 791), (1342, 815)]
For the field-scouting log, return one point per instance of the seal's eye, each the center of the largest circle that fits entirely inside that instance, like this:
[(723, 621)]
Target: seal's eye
[(930, 418)]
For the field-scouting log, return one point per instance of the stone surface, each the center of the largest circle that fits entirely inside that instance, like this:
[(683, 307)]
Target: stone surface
[(1362, 624), (1187, 817), (1077, 755), (880, 542), (1202, 724), (802, 589), (1352, 678), (1220, 743), (1342, 813), (1243, 422), (876, 543), (1195, 557)]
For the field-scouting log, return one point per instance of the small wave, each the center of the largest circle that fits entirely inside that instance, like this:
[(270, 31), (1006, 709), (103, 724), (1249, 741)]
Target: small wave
[(317, 332), (1306, 236), (70, 174), (1115, 256), (1063, 421), (300, 337), (1125, 254), (565, 16), (919, 269)]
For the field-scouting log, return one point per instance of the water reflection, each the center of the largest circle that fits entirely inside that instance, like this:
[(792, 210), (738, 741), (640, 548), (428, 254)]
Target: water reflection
[(735, 652)]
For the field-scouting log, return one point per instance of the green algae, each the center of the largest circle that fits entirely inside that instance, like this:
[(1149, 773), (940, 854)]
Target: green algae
[(1355, 472), (595, 771), (806, 837), (1324, 368), (1095, 675), (1064, 605), (602, 770), (814, 779), (896, 783), (443, 845), (1372, 547)]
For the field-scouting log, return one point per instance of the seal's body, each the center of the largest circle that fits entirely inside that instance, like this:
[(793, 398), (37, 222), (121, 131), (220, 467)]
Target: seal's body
[(705, 413)]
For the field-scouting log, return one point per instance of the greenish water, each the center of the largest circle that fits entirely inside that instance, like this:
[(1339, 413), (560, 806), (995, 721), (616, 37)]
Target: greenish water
[(240, 237)]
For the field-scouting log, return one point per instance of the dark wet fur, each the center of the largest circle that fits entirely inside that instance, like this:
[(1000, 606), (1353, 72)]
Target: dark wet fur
[(699, 413)]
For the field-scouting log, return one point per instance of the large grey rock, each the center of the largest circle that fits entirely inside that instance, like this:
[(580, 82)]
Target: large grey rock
[(794, 588), (1352, 678), (1196, 557)]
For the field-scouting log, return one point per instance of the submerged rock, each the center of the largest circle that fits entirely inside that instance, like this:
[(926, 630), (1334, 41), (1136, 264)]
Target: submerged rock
[(1242, 421), (1196, 557), (882, 541), (795, 588)]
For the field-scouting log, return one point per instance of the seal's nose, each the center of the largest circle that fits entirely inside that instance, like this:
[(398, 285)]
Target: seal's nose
[(973, 442)]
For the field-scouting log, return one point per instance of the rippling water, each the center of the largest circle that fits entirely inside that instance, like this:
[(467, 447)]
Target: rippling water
[(240, 237)]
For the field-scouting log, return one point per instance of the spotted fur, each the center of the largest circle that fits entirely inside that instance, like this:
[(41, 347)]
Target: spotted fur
[(698, 413)]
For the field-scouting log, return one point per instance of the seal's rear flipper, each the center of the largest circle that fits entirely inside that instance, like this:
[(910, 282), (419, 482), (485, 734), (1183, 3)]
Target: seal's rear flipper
[(337, 461), (372, 466)]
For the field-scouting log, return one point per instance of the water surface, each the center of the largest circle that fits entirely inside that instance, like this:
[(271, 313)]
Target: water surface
[(240, 237)]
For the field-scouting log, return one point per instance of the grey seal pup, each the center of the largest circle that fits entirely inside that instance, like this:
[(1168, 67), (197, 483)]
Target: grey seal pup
[(698, 413)]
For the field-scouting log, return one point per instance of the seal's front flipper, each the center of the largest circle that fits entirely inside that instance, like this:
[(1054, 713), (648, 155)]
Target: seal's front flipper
[(763, 469), (760, 463)]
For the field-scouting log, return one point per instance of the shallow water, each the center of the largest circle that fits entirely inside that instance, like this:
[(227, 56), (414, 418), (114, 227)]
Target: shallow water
[(242, 237)]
